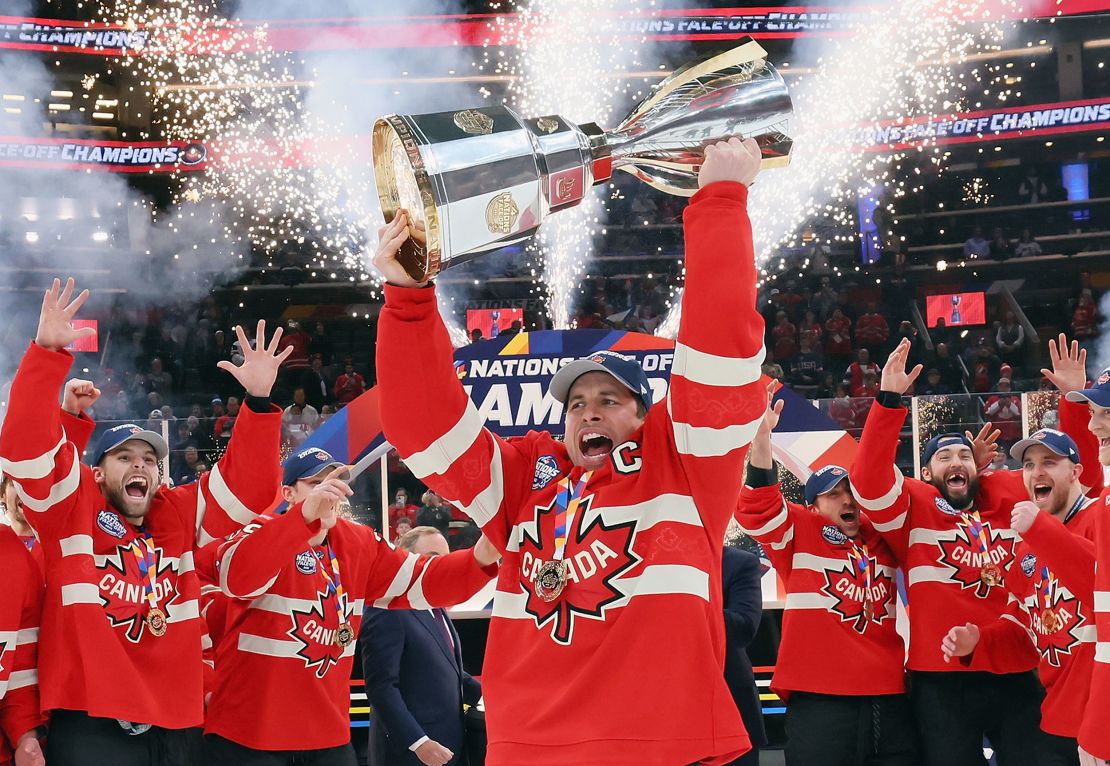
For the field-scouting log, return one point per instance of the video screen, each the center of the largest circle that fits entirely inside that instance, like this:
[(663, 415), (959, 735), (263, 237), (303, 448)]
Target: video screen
[(492, 322), (956, 309)]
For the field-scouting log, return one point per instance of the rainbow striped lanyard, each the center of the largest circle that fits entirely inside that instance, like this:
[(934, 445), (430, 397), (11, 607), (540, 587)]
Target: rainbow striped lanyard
[(976, 530), (335, 586), (860, 558), (566, 502), (29, 541), (143, 550), (1047, 587)]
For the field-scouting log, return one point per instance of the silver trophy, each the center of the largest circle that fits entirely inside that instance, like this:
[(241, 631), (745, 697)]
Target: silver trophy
[(476, 180)]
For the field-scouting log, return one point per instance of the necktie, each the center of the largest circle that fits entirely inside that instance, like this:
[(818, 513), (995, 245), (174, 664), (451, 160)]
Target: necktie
[(441, 620)]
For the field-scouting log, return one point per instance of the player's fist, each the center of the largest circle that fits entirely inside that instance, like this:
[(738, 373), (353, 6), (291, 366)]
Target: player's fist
[(322, 503), (390, 238), (1023, 515), (731, 160), (432, 753), (960, 641), (79, 395), (29, 752)]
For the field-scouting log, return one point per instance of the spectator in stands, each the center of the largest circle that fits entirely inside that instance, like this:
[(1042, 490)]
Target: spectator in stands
[(317, 392), (934, 386), (350, 385), (515, 327), (188, 466), (838, 343), (976, 246), (872, 330), (1010, 339), (1003, 409), (299, 419), (807, 368), (434, 513), (951, 373), (843, 410), (325, 412), (401, 528), (1085, 319), (1032, 189), (827, 387), (218, 410), (985, 368), (824, 301), (476, 335), (321, 346), (158, 379), (784, 339), (298, 340), (1027, 247), (869, 388), (1000, 249), (225, 422), (853, 376), (812, 329), (400, 509)]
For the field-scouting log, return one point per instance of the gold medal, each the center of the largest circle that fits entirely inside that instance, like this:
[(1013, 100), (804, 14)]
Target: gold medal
[(1051, 621), (991, 575), (551, 580), (156, 622), (344, 635)]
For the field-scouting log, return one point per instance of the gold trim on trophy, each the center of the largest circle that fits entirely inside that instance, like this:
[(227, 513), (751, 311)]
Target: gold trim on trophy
[(501, 214), (474, 122)]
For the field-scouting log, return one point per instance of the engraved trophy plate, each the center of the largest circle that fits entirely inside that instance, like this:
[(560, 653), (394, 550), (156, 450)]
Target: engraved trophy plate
[(476, 180)]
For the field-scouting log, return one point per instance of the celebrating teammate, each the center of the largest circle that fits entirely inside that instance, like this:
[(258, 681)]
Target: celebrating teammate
[(295, 588), (840, 603), (609, 598), (119, 661), (954, 530)]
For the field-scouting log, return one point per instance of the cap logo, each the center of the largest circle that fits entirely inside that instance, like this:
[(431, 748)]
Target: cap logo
[(135, 430), (1104, 377), (833, 535), (1040, 435)]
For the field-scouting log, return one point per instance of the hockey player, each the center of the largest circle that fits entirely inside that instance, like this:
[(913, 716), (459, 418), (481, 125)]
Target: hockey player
[(21, 723), (840, 603), (954, 526), (120, 663), (294, 589), (609, 598), (1050, 581), (1094, 733)]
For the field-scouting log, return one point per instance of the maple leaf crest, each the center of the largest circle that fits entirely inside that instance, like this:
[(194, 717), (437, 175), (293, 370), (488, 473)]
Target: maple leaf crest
[(848, 586), (961, 555), (597, 554), (314, 631), (123, 593), (1053, 644)]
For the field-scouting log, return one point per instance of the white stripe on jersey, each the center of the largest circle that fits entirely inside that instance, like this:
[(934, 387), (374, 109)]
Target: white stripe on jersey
[(893, 525), (80, 593), (929, 574), (401, 582), (780, 518), (438, 456), (59, 492), (76, 545), (711, 370), (705, 441), (227, 500), (885, 501), (36, 467)]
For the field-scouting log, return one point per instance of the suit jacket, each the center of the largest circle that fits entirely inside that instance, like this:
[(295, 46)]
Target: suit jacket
[(415, 684), (743, 598)]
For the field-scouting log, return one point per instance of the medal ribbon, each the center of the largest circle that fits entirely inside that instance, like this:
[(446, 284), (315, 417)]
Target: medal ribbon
[(29, 541), (976, 530), (860, 558), (566, 502), (335, 586), (1048, 581), (143, 549)]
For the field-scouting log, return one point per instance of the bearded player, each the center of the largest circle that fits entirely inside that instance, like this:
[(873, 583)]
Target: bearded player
[(609, 598)]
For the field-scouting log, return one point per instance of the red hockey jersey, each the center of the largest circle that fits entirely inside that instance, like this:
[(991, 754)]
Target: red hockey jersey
[(97, 654), (840, 600), (1094, 733), (945, 558), (280, 621), (578, 679), (1050, 583), (20, 610)]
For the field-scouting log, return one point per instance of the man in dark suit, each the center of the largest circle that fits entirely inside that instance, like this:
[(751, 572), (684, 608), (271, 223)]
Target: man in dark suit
[(415, 683), (740, 577)]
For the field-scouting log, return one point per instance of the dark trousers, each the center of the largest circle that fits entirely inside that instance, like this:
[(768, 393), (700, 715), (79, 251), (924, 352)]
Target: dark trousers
[(750, 758), (954, 711), (1059, 751), (223, 752), (78, 739), (836, 730)]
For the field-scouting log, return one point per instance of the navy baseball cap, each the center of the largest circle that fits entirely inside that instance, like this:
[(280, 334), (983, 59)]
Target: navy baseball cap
[(1099, 393), (624, 368), (116, 436), (940, 441), (306, 464), (824, 480), (1057, 441)]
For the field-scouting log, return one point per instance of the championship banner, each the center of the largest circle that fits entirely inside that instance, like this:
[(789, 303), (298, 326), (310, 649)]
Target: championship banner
[(767, 21), (114, 156)]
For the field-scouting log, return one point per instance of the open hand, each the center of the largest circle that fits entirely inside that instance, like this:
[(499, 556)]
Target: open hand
[(261, 362), (731, 160), (894, 377), (1069, 365), (960, 641), (984, 445), (774, 411), (56, 329)]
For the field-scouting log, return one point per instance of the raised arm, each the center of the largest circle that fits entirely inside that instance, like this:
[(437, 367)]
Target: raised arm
[(35, 450), (715, 401), (877, 484), (1069, 373), (427, 415)]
